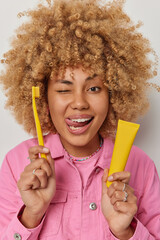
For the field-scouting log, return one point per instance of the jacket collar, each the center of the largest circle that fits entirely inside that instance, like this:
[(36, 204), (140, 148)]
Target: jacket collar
[(105, 159), (53, 142)]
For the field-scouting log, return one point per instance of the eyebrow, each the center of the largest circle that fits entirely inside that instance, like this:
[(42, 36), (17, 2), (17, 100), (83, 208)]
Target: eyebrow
[(70, 82), (64, 81)]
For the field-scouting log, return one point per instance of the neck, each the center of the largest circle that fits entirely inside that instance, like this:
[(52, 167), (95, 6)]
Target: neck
[(85, 150)]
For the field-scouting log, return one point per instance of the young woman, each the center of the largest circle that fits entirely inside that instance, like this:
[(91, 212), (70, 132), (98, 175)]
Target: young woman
[(92, 69)]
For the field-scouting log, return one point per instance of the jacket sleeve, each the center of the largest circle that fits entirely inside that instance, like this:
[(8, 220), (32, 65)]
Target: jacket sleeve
[(141, 233), (148, 216), (149, 203), (10, 206)]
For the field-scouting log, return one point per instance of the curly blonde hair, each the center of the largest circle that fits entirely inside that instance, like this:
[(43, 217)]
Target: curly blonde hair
[(99, 36)]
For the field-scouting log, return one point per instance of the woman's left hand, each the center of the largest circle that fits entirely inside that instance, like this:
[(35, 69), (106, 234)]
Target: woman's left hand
[(119, 204)]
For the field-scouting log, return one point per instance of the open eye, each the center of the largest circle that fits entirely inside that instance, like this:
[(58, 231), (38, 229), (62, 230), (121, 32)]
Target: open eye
[(94, 89)]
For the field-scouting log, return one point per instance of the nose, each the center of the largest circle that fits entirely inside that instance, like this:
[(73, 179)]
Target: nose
[(79, 101)]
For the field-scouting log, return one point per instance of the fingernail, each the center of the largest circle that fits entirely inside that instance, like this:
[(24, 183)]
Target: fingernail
[(110, 178), (46, 150)]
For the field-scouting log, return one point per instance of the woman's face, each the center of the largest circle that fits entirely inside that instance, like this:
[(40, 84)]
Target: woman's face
[(78, 106)]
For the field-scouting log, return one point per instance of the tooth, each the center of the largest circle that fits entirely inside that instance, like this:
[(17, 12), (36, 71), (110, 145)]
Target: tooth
[(81, 120), (74, 128)]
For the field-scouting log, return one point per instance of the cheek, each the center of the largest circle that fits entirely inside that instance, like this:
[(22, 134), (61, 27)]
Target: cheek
[(103, 111), (54, 102), (102, 107), (105, 104), (57, 108)]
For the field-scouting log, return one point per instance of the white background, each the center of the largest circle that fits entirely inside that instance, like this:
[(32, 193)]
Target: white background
[(147, 11)]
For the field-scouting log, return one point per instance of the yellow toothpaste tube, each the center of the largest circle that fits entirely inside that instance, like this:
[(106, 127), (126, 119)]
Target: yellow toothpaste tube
[(126, 133), (36, 94)]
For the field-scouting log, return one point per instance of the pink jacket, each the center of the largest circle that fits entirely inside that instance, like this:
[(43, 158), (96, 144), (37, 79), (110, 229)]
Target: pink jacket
[(72, 214)]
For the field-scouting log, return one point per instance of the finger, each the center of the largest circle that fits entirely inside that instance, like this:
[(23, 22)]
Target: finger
[(36, 150), (36, 183), (42, 177), (104, 180), (117, 196), (129, 209), (120, 176), (51, 162), (28, 181), (39, 164), (119, 186), (46, 167), (121, 196), (34, 154)]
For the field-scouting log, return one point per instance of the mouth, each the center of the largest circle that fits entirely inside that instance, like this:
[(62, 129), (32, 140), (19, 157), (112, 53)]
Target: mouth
[(78, 124)]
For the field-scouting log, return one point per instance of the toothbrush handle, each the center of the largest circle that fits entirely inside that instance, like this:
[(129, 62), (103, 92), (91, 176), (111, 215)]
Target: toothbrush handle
[(40, 138), (38, 127), (43, 156)]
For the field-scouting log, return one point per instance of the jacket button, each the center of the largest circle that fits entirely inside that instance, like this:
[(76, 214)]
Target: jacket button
[(17, 236), (93, 206), (97, 170)]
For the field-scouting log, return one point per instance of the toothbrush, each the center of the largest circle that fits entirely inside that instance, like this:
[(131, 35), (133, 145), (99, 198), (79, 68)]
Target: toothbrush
[(36, 94)]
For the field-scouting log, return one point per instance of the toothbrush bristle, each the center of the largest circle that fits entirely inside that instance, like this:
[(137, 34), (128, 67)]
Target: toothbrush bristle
[(35, 92)]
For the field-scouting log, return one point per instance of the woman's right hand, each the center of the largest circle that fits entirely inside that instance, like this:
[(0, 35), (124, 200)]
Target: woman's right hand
[(37, 187)]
